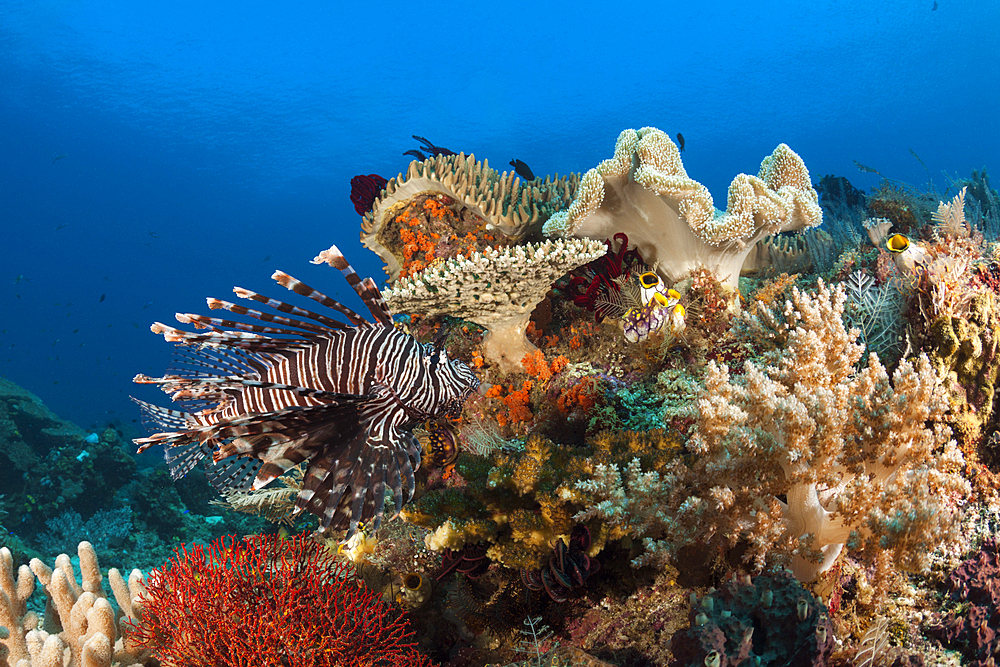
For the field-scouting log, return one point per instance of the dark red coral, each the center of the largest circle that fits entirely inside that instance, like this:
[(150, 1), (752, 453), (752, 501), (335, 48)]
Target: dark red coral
[(568, 568), (365, 190), (590, 281), (975, 585)]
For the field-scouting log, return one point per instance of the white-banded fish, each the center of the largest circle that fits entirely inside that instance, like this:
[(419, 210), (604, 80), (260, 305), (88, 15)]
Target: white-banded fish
[(302, 386)]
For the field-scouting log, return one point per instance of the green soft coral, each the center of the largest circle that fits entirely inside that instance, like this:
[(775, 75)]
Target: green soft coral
[(522, 503)]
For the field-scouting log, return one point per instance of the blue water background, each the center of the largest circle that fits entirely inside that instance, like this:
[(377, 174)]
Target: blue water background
[(207, 144)]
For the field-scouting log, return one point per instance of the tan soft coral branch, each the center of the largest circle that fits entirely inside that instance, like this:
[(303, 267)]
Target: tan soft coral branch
[(803, 457), (849, 457)]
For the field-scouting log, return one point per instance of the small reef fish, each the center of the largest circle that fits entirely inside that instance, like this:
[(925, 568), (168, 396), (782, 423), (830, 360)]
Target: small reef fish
[(661, 308), (60, 157), (908, 255), (680, 142), (103, 297), (523, 170), (431, 148)]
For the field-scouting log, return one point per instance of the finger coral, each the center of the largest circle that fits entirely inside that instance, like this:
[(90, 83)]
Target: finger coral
[(79, 625), (645, 192)]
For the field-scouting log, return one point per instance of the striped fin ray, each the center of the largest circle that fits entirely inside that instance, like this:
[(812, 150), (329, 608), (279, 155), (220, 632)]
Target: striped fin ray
[(366, 288), (347, 486), (181, 459), (178, 385), (284, 307), (300, 287), (380, 305), (236, 340), (225, 326), (161, 417), (216, 304), (279, 421), (212, 362)]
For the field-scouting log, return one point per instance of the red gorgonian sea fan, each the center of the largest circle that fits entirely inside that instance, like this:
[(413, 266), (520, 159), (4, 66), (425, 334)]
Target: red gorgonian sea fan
[(269, 601)]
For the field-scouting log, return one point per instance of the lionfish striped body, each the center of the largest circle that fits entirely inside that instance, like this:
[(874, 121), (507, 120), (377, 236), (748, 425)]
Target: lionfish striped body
[(303, 387)]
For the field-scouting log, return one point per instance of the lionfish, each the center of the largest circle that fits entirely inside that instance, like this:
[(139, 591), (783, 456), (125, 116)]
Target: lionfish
[(304, 387)]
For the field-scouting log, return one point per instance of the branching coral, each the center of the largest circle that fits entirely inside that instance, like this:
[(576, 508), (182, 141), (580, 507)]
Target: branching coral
[(842, 458), (804, 457), (79, 621), (496, 289), (645, 192), (504, 203)]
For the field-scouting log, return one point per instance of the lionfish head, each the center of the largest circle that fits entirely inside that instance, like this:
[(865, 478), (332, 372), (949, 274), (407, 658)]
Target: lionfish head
[(456, 379)]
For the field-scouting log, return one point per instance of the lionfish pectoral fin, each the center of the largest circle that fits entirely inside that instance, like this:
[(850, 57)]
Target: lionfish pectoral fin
[(182, 458), (235, 473), (154, 415)]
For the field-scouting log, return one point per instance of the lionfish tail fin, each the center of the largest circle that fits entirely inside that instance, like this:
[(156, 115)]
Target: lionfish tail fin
[(366, 288)]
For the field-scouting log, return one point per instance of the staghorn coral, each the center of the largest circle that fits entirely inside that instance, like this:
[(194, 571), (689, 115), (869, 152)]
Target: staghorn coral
[(645, 192), (496, 288), (79, 621), (503, 203)]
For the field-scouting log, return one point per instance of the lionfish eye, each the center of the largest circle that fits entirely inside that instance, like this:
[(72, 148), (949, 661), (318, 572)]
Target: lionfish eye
[(649, 279)]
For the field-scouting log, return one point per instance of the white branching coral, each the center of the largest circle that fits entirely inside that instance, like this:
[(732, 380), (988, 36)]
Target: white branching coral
[(804, 456), (496, 288), (645, 192), (633, 501)]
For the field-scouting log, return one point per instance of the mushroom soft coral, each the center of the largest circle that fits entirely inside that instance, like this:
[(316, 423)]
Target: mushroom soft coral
[(645, 192)]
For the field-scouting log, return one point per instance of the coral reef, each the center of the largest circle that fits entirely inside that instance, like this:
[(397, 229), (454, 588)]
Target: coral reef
[(767, 620), (78, 621), (644, 192), (808, 454), (501, 203), (269, 601), (974, 624)]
